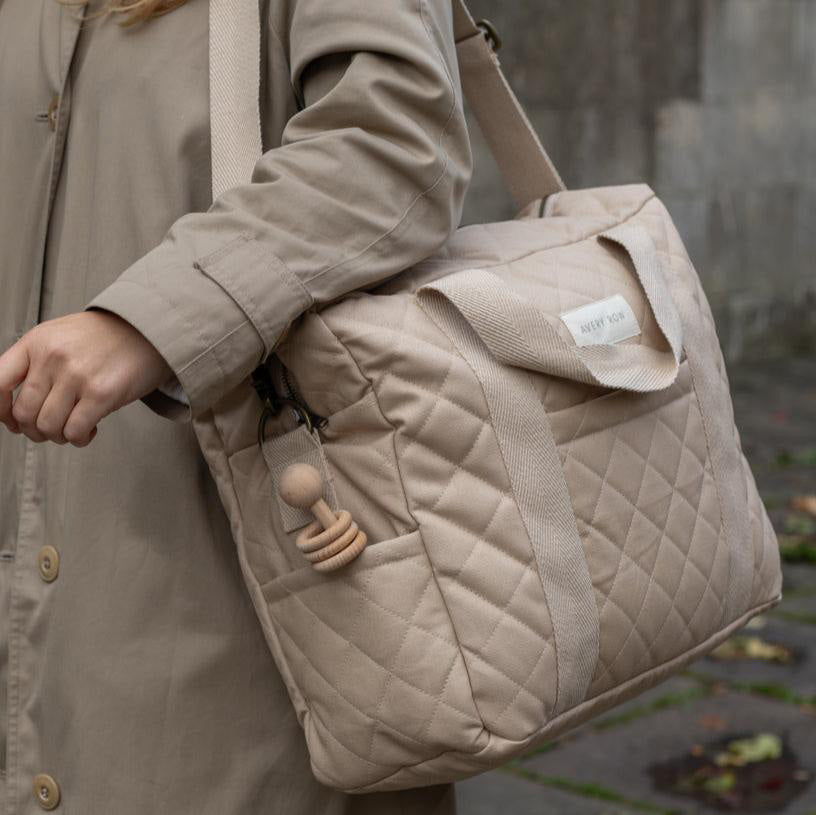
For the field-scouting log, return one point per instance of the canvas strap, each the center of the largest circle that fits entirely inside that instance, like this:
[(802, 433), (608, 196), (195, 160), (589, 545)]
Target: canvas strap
[(235, 120), (235, 79), (525, 166)]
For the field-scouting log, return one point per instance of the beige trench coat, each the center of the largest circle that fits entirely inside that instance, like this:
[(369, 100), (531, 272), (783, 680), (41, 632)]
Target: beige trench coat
[(133, 672)]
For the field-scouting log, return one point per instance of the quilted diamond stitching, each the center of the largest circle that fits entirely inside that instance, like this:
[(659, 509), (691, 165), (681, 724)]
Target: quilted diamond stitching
[(704, 314), (604, 281), (672, 607), (331, 685), (636, 563), (459, 468), (478, 535), (501, 609), (569, 452), (297, 597), (634, 507), (332, 689), (647, 463), (413, 624), (348, 661), (638, 514), (410, 624)]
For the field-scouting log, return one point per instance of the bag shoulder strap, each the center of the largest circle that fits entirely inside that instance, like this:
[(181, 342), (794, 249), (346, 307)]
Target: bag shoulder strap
[(235, 120), (523, 161), (235, 81)]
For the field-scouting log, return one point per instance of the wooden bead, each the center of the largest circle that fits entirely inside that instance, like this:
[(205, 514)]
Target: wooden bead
[(301, 485)]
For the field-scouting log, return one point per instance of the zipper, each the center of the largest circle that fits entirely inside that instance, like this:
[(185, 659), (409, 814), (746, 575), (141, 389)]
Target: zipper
[(291, 392)]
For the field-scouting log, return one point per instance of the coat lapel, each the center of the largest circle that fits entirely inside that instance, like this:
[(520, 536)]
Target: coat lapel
[(71, 18)]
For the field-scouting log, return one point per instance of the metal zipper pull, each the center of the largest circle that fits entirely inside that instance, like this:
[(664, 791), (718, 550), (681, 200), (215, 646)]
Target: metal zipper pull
[(277, 396)]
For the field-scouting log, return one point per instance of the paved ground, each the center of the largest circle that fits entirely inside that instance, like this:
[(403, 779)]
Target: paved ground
[(608, 767)]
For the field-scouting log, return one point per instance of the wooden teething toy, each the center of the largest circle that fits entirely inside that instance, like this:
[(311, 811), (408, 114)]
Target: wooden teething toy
[(330, 541)]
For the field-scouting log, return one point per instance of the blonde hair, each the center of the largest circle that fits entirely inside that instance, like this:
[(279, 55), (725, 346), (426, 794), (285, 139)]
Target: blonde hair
[(131, 11)]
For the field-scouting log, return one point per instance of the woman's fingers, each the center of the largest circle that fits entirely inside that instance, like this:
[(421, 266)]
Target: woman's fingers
[(27, 406), (55, 411), (96, 357), (14, 365), (80, 428), (6, 401)]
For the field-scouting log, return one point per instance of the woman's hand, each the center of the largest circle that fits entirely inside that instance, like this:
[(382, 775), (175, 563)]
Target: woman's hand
[(74, 371)]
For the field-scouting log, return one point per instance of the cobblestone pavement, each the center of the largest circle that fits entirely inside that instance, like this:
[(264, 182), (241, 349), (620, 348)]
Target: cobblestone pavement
[(606, 767)]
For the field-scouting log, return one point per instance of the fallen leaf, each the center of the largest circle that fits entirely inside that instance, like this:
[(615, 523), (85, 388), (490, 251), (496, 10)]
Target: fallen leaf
[(742, 647), (755, 648), (719, 784), (761, 747), (804, 503)]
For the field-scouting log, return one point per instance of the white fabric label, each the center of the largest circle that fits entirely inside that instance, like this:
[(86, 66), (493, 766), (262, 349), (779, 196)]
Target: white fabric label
[(604, 322)]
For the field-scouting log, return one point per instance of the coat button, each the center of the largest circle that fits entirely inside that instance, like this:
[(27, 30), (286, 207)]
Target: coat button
[(46, 791), (53, 109), (48, 561)]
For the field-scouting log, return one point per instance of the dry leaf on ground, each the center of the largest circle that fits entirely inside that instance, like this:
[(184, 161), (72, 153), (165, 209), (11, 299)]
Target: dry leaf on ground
[(804, 503)]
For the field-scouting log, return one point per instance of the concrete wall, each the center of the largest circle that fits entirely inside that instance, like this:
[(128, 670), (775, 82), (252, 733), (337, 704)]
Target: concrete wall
[(711, 102)]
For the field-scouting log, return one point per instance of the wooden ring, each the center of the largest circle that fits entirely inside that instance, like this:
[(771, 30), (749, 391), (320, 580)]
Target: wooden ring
[(333, 548), (314, 537), (346, 556)]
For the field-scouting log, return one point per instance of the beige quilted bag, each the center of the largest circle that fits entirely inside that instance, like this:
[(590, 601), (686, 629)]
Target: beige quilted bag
[(534, 431)]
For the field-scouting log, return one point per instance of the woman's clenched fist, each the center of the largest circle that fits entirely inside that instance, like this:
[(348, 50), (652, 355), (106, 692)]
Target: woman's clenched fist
[(71, 372)]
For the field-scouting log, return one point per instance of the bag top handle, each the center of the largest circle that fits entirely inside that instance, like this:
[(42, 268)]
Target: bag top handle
[(519, 332), (235, 120)]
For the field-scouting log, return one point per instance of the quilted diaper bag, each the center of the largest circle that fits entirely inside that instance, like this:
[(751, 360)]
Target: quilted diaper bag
[(502, 492)]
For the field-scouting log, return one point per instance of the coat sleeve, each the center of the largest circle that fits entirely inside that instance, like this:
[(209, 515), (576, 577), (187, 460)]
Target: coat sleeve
[(369, 178)]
